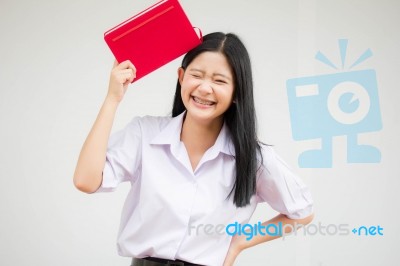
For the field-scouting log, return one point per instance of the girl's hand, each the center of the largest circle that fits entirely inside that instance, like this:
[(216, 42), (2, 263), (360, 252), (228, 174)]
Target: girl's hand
[(121, 76), (236, 246)]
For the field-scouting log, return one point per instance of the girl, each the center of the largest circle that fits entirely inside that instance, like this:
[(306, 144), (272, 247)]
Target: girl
[(194, 173)]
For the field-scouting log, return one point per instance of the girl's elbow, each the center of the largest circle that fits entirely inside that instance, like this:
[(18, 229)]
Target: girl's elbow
[(305, 220), (308, 219), (85, 185)]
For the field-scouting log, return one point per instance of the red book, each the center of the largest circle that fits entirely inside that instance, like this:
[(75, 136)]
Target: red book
[(154, 37)]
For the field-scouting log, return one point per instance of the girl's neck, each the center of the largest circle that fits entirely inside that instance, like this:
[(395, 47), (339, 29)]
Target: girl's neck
[(199, 137)]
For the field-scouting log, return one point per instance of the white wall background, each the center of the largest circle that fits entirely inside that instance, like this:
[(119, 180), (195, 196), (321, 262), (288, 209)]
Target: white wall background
[(54, 68)]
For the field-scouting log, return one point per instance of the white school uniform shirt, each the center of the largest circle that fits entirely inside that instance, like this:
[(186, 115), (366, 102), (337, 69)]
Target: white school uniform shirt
[(169, 204)]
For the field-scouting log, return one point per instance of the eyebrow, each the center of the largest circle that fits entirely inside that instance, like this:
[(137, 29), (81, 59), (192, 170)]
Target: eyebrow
[(215, 74)]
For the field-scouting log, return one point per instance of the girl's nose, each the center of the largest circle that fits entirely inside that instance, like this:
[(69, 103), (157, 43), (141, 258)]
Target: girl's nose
[(205, 87)]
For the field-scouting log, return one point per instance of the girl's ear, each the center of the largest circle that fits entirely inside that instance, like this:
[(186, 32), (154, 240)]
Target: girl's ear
[(181, 73)]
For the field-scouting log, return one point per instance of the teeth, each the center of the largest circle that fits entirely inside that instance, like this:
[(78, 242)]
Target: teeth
[(197, 100)]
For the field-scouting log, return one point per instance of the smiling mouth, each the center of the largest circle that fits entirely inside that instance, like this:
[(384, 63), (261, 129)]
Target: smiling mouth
[(203, 102)]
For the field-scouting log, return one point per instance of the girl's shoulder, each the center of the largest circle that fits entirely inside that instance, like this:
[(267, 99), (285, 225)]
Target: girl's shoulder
[(148, 126), (270, 158), (149, 123), (267, 151)]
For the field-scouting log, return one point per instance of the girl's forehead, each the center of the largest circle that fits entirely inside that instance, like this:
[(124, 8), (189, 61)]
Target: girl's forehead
[(211, 61), (210, 55)]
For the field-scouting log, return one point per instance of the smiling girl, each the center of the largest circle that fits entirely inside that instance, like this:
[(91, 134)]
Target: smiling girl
[(202, 166)]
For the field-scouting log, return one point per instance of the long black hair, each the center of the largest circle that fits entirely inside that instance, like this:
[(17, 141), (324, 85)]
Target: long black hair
[(240, 116)]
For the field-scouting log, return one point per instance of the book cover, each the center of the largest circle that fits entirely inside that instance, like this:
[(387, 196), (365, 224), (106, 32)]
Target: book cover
[(154, 37)]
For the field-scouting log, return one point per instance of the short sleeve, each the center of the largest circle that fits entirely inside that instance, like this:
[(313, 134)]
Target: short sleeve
[(123, 158), (283, 190)]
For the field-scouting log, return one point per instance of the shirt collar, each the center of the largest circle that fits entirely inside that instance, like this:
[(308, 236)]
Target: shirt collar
[(171, 135)]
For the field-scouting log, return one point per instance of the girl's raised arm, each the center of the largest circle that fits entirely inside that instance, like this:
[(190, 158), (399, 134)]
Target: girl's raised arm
[(89, 168)]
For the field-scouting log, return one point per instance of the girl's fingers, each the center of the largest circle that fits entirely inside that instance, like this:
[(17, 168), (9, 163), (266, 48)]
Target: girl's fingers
[(126, 64), (121, 75), (126, 75), (124, 67)]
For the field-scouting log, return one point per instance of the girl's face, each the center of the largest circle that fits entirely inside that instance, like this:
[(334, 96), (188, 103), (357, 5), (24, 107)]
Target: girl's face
[(207, 87)]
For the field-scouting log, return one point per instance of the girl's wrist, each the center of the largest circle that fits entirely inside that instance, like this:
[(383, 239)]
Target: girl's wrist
[(238, 244), (111, 101)]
